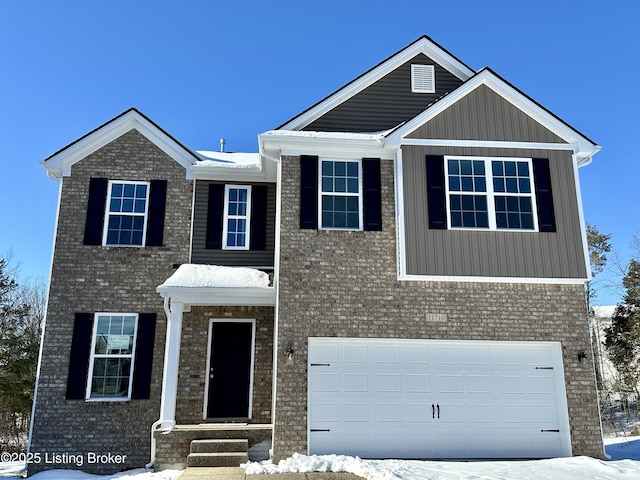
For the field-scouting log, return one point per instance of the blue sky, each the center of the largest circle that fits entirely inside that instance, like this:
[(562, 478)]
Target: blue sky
[(204, 70)]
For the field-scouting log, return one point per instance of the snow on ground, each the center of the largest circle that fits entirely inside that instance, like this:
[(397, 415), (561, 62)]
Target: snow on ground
[(624, 465), (139, 474)]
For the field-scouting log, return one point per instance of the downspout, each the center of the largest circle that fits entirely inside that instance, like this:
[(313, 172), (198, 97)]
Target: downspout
[(160, 420)]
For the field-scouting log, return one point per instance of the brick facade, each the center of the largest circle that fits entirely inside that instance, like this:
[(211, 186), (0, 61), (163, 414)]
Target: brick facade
[(344, 284), (106, 279)]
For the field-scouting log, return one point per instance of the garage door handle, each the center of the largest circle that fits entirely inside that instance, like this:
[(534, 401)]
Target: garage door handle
[(320, 430), (433, 411), (438, 410)]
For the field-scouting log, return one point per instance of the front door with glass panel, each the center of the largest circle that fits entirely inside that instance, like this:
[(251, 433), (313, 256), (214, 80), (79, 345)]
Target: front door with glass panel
[(230, 370)]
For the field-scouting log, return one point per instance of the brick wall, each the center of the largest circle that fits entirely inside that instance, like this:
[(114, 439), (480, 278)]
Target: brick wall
[(108, 279), (343, 284)]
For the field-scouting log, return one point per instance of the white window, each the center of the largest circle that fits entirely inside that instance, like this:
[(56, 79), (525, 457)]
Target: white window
[(490, 193), (126, 215), (112, 356), (423, 79), (237, 217), (340, 205)]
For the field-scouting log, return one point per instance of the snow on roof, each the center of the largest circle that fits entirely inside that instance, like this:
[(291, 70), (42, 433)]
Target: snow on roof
[(374, 136), (216, 276), (227, 159)]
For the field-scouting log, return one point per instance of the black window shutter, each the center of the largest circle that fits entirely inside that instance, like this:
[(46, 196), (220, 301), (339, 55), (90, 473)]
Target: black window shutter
[(95, 211), (79, 356), (157, 207), (144, 356), (372, 191), (258, 218), (308, 191), (215, 216), (436, 194), (544, 195)]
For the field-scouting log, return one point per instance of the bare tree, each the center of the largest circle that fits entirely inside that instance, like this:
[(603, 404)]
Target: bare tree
[(22, 308)]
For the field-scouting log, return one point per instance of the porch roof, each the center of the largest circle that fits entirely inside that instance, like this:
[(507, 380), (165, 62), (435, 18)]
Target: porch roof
[(194, 284)]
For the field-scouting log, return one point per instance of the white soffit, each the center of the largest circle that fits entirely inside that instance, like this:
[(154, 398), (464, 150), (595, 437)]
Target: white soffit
[(422, 45), (581, 145), (59, 164)]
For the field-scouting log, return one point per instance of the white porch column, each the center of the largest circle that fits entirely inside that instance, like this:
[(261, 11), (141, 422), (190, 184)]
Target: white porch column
[(171, 361)]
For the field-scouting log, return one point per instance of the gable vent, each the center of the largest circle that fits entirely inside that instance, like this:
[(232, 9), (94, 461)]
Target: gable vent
[(423, 79)]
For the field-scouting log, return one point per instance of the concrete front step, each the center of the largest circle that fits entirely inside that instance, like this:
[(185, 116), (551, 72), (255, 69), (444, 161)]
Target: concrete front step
[(219, 446), (219, 459)]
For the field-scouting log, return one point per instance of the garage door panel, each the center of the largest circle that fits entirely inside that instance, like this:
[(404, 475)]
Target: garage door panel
[(356, 382), (355, 354), (452, 383), (388, 354), (512, 384), (326, 413), (417, 382), (326, 382), (355, 412), (389, 382), (417, 412), (481, 413), (379, 398), (415, 354)]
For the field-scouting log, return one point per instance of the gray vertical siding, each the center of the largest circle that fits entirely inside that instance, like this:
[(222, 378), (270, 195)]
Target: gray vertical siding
[(237, 258), (485, 115), (386, 103), (558, 255)]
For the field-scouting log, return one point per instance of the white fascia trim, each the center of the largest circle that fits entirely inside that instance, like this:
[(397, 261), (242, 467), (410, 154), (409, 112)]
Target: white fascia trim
[(233, 174), (581, 146), (221, 296), (60, 165), (583, 222), (265, 172), (472, 279), (431, 50), (435, 142), (332, 146)]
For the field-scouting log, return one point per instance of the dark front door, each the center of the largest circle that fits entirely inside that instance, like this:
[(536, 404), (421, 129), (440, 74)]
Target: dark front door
[(230, 370)]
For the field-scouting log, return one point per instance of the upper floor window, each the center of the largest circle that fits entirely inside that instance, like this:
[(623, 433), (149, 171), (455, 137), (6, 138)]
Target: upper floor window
[(126, 215), (112, 356), (237, 217), (340, 205), (490, 193)]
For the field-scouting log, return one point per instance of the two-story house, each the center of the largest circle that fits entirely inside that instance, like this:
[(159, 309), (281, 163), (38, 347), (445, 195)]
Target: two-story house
[(398, 272)]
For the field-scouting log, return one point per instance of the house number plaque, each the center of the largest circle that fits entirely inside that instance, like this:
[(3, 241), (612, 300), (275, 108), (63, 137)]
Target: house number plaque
[(436, 317)]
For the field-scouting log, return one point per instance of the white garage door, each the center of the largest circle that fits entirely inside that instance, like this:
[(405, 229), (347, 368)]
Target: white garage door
[(383, 398)]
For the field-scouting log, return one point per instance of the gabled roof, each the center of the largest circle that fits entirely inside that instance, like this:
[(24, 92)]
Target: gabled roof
[(581, 145), (422, 45), (59, 164)]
